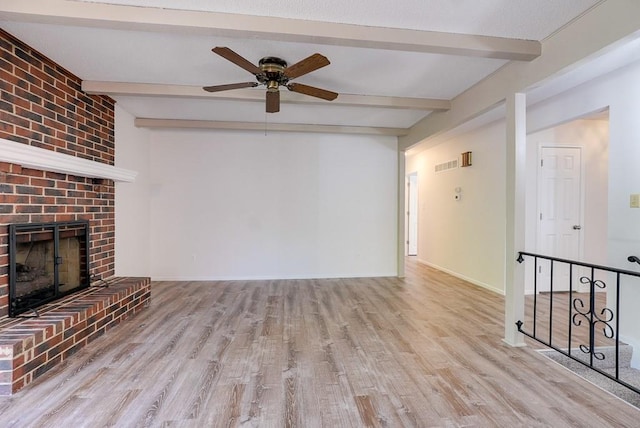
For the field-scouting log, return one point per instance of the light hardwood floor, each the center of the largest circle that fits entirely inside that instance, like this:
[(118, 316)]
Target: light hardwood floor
[(425, 351)]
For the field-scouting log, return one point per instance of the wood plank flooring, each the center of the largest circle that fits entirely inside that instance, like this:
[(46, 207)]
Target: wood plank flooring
[(425, 351)]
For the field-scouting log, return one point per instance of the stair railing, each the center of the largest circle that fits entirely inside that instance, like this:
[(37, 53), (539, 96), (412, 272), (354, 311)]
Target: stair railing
[(582, 309)]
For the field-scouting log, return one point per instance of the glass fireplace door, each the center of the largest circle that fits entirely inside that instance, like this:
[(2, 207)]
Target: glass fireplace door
[(46, 261)]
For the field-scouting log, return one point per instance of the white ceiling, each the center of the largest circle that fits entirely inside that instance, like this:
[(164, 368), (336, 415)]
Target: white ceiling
[(141, 42), (520, 19)]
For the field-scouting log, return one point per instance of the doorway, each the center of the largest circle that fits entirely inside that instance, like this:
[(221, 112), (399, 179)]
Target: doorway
[(412, 214)]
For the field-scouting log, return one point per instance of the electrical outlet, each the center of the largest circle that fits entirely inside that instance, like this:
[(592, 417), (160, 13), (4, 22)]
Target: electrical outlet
[(634, 201)]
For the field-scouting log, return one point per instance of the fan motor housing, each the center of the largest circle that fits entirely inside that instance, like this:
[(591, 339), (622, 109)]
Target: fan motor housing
[(273, 70)]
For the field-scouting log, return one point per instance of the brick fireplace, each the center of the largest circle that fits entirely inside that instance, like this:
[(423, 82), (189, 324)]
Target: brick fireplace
[(43, 109), (42, 105)]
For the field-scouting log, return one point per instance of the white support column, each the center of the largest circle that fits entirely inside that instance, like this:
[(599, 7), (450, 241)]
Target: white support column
[(515, 198), (401, 211)]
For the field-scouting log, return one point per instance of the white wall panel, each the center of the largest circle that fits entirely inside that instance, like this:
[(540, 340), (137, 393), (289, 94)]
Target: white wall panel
[(244, 205), (132, 199)]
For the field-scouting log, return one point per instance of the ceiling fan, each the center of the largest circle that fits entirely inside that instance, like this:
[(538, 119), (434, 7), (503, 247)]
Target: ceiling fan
[(273, 72)]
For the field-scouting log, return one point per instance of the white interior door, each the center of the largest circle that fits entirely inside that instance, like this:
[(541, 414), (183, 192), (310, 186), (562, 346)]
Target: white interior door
[(412, 214), (560, 213)]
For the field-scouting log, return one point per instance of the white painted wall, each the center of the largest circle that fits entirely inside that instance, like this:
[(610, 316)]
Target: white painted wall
[(233, 205), (464, 237), (132, 199)]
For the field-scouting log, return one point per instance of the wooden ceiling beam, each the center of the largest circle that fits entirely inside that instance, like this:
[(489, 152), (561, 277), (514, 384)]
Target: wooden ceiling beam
[(271, 127), (183, 91)]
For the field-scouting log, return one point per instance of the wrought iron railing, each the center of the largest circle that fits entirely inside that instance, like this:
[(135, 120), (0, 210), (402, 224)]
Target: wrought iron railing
[(586, 315)]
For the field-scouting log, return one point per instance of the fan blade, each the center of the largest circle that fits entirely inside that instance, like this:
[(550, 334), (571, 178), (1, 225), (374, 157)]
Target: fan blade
[(273, 101), (219, 88), (305, 66), (230, 55), (313, 91)]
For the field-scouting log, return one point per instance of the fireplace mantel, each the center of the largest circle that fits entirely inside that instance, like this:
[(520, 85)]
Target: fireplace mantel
[(48, 160)]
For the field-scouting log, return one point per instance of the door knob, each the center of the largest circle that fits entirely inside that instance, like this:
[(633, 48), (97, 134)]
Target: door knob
[(577, 227)]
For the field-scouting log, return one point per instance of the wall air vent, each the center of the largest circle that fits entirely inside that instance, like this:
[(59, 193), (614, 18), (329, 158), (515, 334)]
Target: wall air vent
[(446, 166)]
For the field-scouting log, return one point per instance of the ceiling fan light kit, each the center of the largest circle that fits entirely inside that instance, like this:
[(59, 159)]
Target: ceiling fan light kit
[(273, 73)]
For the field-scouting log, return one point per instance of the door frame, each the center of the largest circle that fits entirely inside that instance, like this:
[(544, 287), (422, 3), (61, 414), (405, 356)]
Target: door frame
[(581, 216), (409, 213)]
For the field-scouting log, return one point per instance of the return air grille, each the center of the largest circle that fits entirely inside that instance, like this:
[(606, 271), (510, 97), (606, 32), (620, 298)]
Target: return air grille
[(445, 166)]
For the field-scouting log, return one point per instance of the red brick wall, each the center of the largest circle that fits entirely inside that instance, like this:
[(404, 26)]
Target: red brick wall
[(41, 104)]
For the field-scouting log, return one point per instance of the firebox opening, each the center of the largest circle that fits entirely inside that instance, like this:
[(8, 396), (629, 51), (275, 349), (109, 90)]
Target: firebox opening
[(47, 261)]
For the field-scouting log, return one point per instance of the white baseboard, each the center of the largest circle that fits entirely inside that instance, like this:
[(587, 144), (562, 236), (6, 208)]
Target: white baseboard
[(464, 278), (270, 278)]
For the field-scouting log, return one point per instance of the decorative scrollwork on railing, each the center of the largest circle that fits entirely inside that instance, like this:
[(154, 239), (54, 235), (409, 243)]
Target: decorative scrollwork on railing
[(596, 283), (589, 314), (583, 310)]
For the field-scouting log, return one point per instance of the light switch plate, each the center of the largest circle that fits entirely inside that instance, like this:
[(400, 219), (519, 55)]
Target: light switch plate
[(634, 201)]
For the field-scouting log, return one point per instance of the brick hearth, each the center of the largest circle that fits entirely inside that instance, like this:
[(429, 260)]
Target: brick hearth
[(29, 347)]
